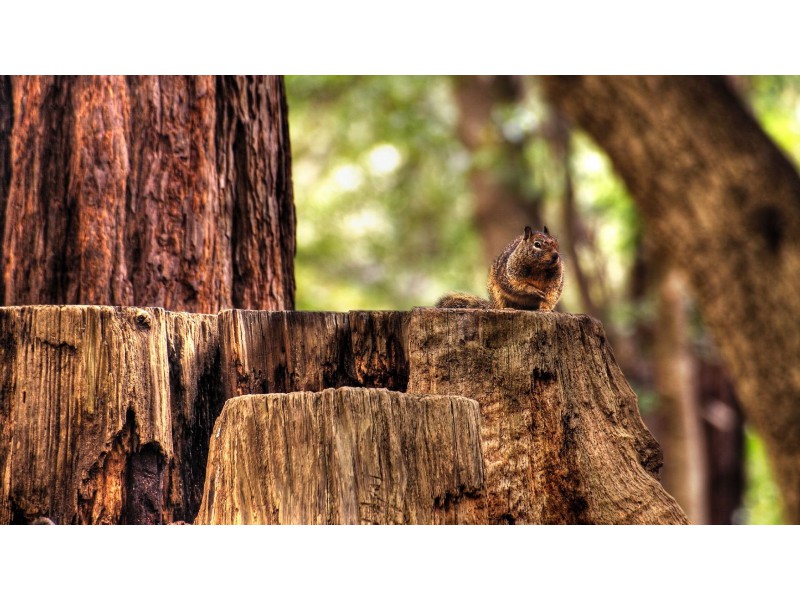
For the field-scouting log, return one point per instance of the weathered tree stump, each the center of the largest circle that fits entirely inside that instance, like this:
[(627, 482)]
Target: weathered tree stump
[(379, 348), (562, 436), (105, 413), (282, 351), (344, 456)]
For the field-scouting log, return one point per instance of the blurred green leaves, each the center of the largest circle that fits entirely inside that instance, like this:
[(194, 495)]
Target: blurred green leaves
[(384, 208), (384, 216), (762, 504)]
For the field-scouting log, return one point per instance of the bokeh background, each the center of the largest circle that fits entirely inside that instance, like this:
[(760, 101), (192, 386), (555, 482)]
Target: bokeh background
[(406, 187)]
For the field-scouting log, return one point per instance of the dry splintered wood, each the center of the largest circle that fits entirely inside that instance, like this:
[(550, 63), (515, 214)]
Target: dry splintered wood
[(286, 351), (562, 436), (344, 456), (105, 413), (106, 416)]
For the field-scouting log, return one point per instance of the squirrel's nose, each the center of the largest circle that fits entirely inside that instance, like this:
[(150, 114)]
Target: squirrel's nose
[(554, 257)]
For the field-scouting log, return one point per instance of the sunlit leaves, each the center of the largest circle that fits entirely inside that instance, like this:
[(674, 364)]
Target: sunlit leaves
[(384, 214)]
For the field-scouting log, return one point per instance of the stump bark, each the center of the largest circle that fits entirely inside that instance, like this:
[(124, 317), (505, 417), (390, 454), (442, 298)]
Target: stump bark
[(344, 456), (105, 413), (562, 436), (283, 351)]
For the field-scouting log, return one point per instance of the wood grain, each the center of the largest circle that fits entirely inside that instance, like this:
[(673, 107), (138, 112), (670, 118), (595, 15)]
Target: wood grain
[(562, 436), (344, 456), (105, 413), (287, 351)]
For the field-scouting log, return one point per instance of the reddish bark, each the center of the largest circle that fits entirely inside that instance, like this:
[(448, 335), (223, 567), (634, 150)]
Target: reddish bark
[(157, 191)]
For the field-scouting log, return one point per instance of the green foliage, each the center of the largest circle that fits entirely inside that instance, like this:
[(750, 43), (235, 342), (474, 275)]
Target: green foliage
[(776, 102), (611, 221), (383, 210), (762, 504), (383, 203)]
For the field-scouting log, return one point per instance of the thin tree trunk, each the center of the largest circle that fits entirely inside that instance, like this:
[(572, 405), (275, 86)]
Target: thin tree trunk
[(685, 471), (720, 199), (149, 191), (498, 172), (570, 238), (723, 424)]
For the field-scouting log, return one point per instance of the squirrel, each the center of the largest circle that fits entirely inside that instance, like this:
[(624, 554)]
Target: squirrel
[(528, 275)]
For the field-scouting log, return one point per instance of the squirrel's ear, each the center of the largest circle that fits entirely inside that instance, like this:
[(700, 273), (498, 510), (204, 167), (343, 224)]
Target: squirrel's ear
[(545, 230), (528, 232)]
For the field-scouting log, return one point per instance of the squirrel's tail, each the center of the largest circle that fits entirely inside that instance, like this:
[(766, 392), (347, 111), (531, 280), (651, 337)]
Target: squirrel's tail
[(461, 300)]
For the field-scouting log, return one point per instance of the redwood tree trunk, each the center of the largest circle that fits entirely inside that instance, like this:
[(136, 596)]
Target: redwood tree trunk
[(723, 202), (146, 191)]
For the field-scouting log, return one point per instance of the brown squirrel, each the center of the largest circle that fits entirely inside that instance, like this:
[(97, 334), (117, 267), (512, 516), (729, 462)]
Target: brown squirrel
[(528, 275)]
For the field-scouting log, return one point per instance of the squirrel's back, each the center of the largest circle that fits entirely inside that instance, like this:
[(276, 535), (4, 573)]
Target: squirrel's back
[(462, 300)]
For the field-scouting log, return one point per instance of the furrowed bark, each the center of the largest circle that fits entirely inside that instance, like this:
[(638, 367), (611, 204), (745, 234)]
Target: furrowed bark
[(150, 191), (562, 436), (265, 352)]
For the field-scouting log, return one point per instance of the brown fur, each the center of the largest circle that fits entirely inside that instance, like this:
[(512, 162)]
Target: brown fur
[(524, 276), (459, 300)]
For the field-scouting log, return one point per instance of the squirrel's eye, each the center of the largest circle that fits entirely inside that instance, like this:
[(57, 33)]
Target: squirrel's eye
[(537, 244)]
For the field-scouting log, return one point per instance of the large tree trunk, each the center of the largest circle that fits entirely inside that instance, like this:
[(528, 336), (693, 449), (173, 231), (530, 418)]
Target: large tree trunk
[(721, 200), (149, 191)]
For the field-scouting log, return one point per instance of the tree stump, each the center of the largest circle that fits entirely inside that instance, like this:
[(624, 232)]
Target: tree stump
[(106, 416), (283, 351), (344, 456), (562, 436), (105, 413)]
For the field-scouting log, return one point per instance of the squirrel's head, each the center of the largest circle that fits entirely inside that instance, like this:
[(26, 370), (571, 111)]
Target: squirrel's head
[(536, 256)]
